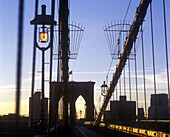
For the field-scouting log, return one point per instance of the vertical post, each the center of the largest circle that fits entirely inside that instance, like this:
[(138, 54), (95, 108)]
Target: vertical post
[(63, 17), (42, 95), (51, 62), (19, 64), (33, 68), (51, 39)]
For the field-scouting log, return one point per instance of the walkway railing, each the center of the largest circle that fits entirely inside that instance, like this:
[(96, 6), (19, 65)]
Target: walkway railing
[(131, 130)]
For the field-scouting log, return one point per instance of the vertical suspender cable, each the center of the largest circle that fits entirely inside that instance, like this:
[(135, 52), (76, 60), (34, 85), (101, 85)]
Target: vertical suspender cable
[(124, 81), (116, 94), (120, 86), (136, 81), (19, 64), (99, 102), (166, 46), (143, 62), (58, 62), (51, 37), (129, 80), (153, 57), (124, 69), (33, 68), (59, 42)]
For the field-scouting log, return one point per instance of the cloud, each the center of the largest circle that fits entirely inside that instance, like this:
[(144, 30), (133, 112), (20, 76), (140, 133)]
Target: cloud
[(90, 73), (29, 79), (161, 86), (13, 86)]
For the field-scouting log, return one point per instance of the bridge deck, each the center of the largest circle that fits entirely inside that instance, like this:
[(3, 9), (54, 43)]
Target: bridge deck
[(80, 131)]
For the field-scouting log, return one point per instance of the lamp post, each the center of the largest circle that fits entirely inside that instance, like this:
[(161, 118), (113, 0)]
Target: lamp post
[(104, 89), (43, 20)]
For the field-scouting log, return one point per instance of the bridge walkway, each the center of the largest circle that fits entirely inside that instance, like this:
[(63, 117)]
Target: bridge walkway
[(80, 131)]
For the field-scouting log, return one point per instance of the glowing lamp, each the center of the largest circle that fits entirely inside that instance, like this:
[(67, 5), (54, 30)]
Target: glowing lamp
[(104, 88), (43, 34), (43, 37), (43, 20)]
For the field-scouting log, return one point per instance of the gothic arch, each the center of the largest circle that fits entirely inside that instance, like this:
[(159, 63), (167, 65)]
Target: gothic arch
[(85, 89), (78, 106)]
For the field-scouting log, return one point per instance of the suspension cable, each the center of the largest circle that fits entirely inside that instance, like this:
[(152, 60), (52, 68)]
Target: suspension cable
[(153, 57), (143, 62), (124, 69), (124, 81), (98, 103), (116, 93), (136, 81), (129, 80), (120, 85), (59, 48), (113, 96), (166, 47)]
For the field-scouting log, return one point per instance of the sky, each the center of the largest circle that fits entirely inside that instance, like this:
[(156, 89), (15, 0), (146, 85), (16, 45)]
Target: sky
[(93, 58)]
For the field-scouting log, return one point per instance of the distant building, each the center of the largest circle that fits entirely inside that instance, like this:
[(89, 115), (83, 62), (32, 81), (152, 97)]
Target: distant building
[(37, 107), (141, 114), (159, 102), (107, 116), (11, 118), (121, 111)]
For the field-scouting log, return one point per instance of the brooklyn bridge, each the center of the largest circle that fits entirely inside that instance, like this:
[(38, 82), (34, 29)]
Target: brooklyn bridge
[(107, 77)]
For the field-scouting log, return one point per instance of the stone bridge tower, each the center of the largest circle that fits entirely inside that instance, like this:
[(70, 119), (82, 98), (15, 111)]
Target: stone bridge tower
[(76, 89)]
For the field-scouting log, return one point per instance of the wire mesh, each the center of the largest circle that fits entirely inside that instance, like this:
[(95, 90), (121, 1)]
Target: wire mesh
[(116, 34), (75, 36)]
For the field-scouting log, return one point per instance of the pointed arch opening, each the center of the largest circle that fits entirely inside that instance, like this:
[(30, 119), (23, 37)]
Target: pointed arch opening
[(60, 109), (80, 108)]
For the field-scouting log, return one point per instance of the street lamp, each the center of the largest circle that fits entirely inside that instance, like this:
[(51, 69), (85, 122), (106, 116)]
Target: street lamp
[(104, 88), (43, 20), (43, 34)]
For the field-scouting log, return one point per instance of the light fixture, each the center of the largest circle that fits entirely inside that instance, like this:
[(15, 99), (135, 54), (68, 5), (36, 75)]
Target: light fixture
[(104, 88), (43, 34), (43, 20)]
